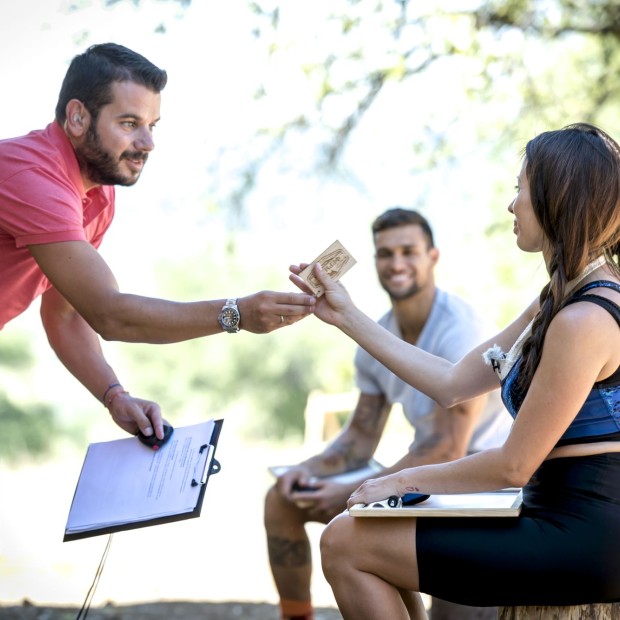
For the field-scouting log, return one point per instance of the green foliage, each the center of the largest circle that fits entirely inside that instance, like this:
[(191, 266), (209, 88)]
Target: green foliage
[(15, 352), (525, 67), (29, 431), (141, 3), (267, 376)]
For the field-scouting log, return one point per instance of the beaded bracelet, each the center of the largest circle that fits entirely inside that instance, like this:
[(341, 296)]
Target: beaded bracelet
[(112, 385), (111, 399)]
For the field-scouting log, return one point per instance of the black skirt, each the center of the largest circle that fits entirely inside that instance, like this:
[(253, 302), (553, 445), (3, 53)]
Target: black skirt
[(563, 549)]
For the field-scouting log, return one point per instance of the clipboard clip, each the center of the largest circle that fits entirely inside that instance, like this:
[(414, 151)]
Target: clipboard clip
[(206, 450), (213, 465)]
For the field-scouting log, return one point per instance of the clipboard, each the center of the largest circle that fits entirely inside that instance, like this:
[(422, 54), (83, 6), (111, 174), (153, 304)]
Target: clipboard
[(123, 485), (502, 503)]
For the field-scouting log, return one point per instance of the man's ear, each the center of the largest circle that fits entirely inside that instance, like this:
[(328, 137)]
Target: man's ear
[(77, 119), (434, 254)]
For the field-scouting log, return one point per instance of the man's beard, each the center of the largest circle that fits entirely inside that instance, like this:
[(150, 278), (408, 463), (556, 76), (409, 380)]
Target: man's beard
[(102, 168), (401, 295)]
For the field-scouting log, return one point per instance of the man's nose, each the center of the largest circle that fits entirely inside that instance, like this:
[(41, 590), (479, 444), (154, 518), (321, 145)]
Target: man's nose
[(398, 261), (144, 140)]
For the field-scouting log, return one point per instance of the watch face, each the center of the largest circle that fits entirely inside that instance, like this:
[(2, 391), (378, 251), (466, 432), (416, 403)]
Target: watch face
[(229, 318)]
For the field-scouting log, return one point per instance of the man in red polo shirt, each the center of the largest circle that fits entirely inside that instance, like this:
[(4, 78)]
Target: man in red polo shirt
[(56, 204)]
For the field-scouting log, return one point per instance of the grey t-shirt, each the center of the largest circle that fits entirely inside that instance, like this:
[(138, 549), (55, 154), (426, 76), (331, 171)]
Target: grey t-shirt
[(451, 331)]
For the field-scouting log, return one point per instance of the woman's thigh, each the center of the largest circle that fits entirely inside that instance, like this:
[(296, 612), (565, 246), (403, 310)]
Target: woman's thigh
[(381, 546)]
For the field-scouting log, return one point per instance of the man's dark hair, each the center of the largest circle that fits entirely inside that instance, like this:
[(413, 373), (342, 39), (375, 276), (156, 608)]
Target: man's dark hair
[(90, 77), (397, 216)]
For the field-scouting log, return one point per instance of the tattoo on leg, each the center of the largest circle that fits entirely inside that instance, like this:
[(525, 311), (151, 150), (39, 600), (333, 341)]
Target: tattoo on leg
[(288, 553)]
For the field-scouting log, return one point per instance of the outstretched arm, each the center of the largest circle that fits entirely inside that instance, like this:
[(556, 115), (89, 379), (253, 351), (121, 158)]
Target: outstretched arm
[(84, 279), (78, 348), (445, 382)]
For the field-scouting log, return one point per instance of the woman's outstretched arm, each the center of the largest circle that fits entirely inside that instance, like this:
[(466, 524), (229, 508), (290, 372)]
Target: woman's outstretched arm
[(445, 382)]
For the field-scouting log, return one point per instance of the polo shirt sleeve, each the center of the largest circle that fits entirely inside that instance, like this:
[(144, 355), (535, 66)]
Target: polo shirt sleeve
[(41, 208)]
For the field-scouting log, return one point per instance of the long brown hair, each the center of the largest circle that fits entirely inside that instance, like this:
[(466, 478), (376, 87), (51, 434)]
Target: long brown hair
[(574, 178)]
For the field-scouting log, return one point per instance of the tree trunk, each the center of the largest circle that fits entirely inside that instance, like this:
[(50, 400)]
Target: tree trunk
[(610, 611), (444, 610)]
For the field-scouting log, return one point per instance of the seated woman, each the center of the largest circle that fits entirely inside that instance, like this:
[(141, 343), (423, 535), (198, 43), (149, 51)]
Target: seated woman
[(558, 365)]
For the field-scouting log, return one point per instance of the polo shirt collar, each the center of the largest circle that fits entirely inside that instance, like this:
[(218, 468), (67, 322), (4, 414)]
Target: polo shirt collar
[(59, 138)]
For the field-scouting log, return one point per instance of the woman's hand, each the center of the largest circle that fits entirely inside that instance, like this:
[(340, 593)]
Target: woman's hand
[(377, 490), (334, 304)]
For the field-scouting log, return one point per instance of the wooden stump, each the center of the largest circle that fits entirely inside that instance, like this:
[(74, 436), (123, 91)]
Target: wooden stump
[(600, 611), (444, 610)]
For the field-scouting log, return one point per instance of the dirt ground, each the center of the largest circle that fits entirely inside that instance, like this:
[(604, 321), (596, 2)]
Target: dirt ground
[(159, 611)]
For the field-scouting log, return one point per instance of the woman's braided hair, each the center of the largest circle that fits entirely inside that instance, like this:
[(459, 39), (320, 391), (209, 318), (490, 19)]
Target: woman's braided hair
[(574, 178)]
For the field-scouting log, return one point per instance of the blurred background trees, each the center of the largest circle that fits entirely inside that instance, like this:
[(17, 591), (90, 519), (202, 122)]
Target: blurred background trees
[(348, 107)]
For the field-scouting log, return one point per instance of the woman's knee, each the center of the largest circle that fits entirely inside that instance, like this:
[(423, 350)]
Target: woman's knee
[(335, 543)]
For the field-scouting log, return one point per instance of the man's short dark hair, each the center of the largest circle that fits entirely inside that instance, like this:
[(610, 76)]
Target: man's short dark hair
[(397, 216), (90, 77)]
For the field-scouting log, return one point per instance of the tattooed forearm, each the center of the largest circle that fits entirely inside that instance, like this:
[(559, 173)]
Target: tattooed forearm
[(344, 453), (370, 413), (358, 440)]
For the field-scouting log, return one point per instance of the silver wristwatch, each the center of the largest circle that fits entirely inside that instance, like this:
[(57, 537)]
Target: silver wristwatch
[(229, 317)]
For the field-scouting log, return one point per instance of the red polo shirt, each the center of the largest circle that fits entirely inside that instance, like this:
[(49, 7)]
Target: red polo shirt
[(42, 200)]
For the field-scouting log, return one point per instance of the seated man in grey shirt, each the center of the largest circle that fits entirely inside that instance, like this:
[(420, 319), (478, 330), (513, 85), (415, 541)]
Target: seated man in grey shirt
[(434, 320)]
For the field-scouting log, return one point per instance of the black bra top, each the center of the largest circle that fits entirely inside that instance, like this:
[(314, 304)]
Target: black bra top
[(611, 307)]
